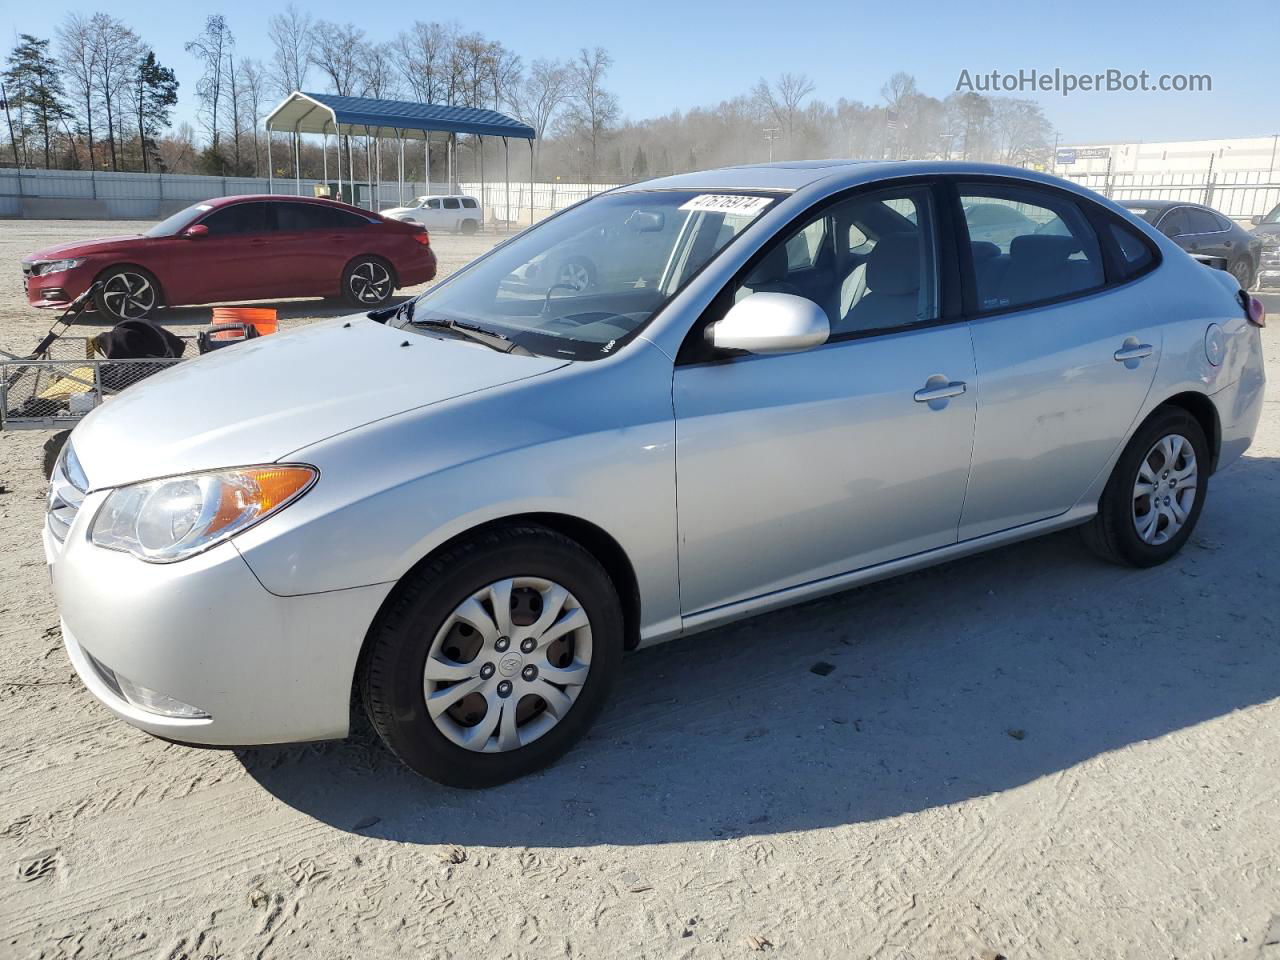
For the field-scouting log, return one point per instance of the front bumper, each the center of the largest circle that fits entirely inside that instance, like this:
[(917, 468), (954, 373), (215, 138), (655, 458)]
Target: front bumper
[(204, 631), (54, 291)]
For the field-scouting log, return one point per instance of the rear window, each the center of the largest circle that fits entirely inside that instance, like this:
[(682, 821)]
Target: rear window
[(314, 216), (1135, 255), (468, 203)]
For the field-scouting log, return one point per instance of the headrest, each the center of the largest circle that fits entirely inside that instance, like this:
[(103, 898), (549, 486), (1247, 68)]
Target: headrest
[(772, 269), (984, 250), (1042, 251), (893, 266)]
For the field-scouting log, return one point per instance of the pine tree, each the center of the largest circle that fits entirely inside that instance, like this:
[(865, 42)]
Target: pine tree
[(34, 85), (157, 94), (640, 165)]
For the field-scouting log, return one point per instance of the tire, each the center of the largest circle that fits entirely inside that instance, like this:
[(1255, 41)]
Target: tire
[(578, 271), (469, 228), (52, 449), (1114, 533), (1244, 273), (368, 281), (421, 619), (127, 293)]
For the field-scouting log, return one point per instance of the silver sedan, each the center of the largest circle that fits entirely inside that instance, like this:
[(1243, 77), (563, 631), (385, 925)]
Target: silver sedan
[(782, 381)]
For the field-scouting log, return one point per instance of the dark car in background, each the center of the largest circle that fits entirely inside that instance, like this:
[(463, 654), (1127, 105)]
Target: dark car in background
[(1267, 229), (1204, 232), (237, 248)]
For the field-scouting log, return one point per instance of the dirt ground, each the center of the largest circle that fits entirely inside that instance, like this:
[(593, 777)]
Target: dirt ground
[(1026, 753)]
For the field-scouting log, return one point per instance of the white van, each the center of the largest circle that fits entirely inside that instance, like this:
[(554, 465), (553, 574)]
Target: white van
[(457, 213)]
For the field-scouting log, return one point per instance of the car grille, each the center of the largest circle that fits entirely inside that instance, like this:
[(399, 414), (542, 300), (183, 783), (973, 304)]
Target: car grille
[(65, 499)]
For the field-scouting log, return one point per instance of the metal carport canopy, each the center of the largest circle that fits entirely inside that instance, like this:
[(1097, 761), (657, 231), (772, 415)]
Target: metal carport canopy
[(390, 119)]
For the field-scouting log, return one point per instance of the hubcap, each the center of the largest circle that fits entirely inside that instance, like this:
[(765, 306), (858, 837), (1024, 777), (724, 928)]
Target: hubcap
[(507, 665), (370, 282), (575, 275), (1165, 489), (129, 296)]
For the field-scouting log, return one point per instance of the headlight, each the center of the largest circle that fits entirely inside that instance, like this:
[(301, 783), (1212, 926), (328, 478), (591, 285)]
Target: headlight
[(162, 521), (44, 267)]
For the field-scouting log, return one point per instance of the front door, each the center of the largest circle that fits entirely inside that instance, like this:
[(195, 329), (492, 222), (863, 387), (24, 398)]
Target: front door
[(233, 261), (798, 467)]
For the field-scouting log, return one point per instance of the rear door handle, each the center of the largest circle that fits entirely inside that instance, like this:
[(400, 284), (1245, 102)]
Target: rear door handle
[(1138, 352), (940, 392)]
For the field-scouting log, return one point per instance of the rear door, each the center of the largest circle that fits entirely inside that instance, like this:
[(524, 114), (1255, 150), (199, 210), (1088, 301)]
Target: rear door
[(232, 262), (314, 242), (1066, 349)]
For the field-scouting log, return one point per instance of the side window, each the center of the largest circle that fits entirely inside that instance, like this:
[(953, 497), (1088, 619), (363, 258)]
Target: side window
[(879, 274), (469, 203), (1202, 221), (1134, 251), (237, 218), (313, 216), (1029, 246), (433, 204), (1175, 223), (451, 203)]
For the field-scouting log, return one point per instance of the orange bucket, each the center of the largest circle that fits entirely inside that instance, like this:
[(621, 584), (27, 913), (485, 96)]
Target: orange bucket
[(262, 318)]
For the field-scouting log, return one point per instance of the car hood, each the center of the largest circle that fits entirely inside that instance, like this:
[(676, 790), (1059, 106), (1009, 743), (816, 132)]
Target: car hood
[(396, 211), (79, 248), (1267, 230), (257, 402)]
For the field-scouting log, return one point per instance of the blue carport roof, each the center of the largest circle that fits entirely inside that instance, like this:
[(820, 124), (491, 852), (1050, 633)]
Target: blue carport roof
[(331, 113)]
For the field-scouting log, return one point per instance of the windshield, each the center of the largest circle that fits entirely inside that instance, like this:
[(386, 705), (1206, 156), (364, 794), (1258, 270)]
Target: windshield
[(1146, 213), (582, 283), (170, 225), (1273, 216)]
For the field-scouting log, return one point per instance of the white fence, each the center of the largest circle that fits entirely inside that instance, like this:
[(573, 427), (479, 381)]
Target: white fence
[(1238, 194), (78, 194)]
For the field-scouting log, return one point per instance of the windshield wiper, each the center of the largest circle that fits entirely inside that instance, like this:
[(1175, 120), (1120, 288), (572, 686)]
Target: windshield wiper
[(490, 338)]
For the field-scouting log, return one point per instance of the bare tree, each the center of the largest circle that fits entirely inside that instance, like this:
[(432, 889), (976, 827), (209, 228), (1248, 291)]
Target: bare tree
[(293, 36), (339, 52), (505, 70), (539, 97), (1022, 130), (592, 110), (213, 47), (254, 84), (781, 101), (116, 54), (424, 55), (79, 59)]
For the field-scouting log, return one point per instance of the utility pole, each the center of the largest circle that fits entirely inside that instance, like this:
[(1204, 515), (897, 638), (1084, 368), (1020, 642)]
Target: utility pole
[(771, 134)]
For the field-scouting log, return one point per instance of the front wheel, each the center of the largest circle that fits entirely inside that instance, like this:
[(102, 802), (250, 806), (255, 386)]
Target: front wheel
[(368, 282), (493, 658), (1152, 501), (127, 293)]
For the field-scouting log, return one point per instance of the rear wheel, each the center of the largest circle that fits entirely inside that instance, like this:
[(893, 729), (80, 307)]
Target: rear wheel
[(1244, 273), (1152, 501), (469, 228), (127, 293), (368, 282), (494, 658)]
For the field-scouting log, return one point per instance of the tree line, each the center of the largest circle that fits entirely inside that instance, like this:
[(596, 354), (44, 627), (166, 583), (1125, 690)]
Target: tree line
[(95, 97)]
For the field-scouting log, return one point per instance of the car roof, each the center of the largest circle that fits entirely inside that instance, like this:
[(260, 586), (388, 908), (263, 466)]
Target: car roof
[(1157, 204), (282, 198), (836, 174)]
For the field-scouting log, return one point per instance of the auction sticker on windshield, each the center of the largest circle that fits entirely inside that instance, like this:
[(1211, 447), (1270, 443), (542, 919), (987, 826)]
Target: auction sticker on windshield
[(726, 203)]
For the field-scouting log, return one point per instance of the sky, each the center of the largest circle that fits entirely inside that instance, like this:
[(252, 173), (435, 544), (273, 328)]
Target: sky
[(676, 54)]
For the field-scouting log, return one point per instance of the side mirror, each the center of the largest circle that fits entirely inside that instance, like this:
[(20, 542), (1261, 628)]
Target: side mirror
[(198, 232), (771, 323), (1256, 220)]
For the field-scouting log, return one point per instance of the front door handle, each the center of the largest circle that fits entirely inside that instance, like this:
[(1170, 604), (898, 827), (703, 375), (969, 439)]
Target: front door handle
[(942, 391), (1138, 351)]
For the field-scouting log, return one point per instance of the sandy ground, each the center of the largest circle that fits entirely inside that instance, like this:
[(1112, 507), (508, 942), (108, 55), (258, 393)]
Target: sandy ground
[(1027, 753)]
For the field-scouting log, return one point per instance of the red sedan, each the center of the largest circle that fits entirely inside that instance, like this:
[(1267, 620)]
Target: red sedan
[(238, 248)]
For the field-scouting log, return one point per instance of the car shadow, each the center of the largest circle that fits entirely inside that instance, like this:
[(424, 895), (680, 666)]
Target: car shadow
[(927, 690)]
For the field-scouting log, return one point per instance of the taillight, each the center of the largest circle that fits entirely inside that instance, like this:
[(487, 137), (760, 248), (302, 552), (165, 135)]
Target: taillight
[(1254, 311), (423, 238)]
